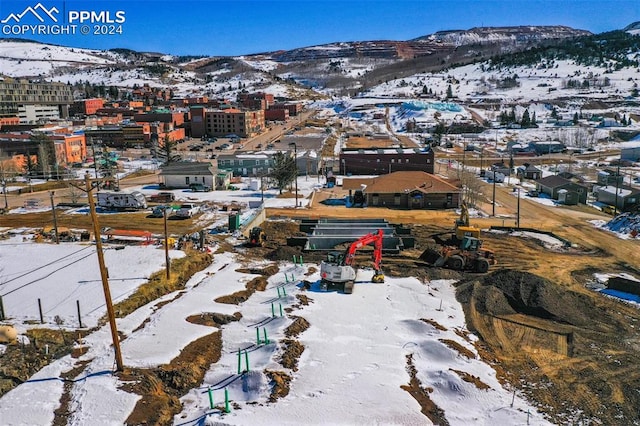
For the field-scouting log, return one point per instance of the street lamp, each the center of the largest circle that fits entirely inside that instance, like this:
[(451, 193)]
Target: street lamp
[(295, 159)]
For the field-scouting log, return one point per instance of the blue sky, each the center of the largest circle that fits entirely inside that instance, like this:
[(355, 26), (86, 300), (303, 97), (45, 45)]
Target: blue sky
[(235, 27)]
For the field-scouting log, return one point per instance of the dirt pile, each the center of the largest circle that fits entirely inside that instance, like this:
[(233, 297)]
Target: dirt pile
[(162, 387), (574, 354), (256, 284)]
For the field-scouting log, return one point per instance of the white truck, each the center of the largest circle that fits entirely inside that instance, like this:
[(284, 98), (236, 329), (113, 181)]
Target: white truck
[(187, 210), (134, 200)]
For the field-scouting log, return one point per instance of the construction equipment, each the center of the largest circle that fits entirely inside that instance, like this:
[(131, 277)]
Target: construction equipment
[(468, 256), (462, 226), (339, 270), (257, 237)]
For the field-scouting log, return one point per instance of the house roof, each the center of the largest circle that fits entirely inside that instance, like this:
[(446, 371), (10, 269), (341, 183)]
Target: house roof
[(555, 181), (188, 168), (401, 182)]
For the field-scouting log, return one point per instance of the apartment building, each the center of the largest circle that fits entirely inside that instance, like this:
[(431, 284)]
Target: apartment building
[(293, 108), (33, 114), (224, 122), (16, 93), (87, 106)]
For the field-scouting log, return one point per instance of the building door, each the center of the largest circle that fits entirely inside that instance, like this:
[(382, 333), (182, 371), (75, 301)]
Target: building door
[(186, 180)]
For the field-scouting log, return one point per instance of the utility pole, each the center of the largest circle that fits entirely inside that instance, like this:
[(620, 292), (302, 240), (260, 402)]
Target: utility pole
[(104, 274), (55, 219), (615, 205), (518, 213), (295, 158), (494, 194), (166, 244)]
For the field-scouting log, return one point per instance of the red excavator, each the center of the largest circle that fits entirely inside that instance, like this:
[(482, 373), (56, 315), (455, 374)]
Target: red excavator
[(339, 269)]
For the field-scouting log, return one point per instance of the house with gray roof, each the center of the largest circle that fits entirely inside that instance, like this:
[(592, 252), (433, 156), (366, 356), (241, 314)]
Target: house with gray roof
[(551, 185)]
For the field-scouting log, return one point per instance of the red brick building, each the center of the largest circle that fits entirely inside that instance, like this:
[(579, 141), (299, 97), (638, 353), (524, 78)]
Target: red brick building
[(384, 161), (276, 114), (293, 108)]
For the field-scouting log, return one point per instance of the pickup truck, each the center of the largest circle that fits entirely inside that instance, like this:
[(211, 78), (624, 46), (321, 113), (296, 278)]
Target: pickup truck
[(187, 210), (162, 197)]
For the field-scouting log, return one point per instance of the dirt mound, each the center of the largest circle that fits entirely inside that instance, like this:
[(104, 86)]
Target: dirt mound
[(213, 319), (256, 284), (162, 387), (507, 292), (266, 271), (281, 382), (563, 347), (292, 351), (298, 326), (421, 395)]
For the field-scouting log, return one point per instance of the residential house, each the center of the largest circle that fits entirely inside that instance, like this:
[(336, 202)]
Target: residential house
[(547, 147), (550, 185), (630, 154), (529, 171), (183, 174), (407, 190), (628, 198), (246, 164), (501, 168), (610, 177), (386, 160)]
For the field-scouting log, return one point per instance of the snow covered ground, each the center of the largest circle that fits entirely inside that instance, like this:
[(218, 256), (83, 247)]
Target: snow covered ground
[(350, 372)]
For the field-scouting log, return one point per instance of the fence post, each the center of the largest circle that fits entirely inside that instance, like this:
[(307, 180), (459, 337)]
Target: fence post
[(79, 316), (281, 309), (239, 360), (210, 398), (40, 310), (1, 309), (258, 336), (273, 311), (226, 401), (266, 339), (246, 359)]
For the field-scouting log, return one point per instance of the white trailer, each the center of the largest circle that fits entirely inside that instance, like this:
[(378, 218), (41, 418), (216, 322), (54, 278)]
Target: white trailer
[(134, 200)]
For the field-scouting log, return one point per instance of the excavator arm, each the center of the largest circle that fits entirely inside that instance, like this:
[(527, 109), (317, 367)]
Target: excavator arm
[(376, 239)]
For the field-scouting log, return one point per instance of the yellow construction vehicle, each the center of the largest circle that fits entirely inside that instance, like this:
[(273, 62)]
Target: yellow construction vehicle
[(462, 226)]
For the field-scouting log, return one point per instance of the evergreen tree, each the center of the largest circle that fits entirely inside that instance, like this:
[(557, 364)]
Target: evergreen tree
[(526, 119), (449, 92), (168, 148), (534, 122), (512, 115), (575, 118)]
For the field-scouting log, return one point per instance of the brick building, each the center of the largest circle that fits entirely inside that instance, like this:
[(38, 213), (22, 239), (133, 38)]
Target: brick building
[(384, 161)]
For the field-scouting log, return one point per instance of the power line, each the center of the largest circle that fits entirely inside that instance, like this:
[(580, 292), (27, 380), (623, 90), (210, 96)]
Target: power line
[(43, 266), (46, 276)]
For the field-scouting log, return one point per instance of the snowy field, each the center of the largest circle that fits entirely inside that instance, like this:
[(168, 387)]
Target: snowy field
[(350, 372)]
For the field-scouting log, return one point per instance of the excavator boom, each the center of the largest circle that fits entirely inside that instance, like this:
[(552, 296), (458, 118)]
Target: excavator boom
[(340, 270)]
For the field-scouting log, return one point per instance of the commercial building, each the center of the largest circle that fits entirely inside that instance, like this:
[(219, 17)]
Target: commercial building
[(387, 160), (19, 93), (225, 122)]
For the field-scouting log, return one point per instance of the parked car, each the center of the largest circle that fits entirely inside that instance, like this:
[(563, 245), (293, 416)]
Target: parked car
[(159, 211), (162, 197), (533, 193), (199, 187), (187, 210)]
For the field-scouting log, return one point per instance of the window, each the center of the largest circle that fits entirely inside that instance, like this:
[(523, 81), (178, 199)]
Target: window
[(396, 199)]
